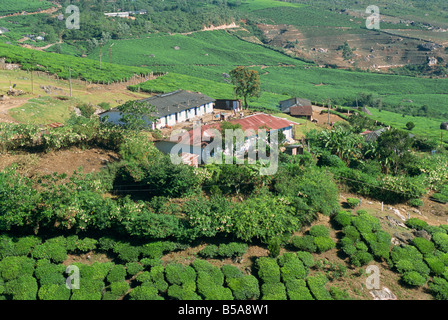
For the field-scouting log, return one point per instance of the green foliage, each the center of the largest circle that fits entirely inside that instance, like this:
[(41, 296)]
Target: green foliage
[(441, 241), (304, 243), (210, 281), (244, 288), (116, 290), (53, 292), (144, 292), (343, 218), (232, 249), (48, 273), (209, 251), (353, 202), (297, 290), (127, 252), (439, 288), (316, 284), (273, 291), (291, 267), (319, 231), (423, 245), (416, 223), (180, 275), (268, 269), (117, 274), (324, 244), (13, 267), (132, 268), (24, 287), (306, 258), (415, 203), (414, 279)]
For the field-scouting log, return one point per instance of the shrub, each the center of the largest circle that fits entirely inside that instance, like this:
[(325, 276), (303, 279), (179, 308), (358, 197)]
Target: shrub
[(441, 241), (436, 265), (403, 266), (86, 244), (433, 229), (268, 269), (244, 288), (181, 275), (155, 250), (13, 267), (339, 294), (116, 290), (132, 268), (439, 288), (126, 252), (49, 273), (144, 292), (353, 202), (415, 203), (106, 244), (413, 279), (343, 218), (324, 244), (291, 267), (117, 274), (297, 290), (230, 271), (53, 292), (306, 258), (415, 223), (210, 251), (423, 245), (52, 249), (352, 233), (319, 231), (157, 278), (274, 247), (316, 284), (182, 293), (273, 291), (360, 258), (22, 288), (25, 245), (232, 249), (304, 243)]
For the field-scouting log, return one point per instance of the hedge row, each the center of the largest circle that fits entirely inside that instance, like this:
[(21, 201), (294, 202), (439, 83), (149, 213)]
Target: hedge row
[(316, 240)]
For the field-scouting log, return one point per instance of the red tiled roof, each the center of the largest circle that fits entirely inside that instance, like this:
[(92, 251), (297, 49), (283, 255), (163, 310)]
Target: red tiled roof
[(253, 122)]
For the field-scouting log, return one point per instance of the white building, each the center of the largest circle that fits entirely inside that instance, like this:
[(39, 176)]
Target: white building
[(171, 108)]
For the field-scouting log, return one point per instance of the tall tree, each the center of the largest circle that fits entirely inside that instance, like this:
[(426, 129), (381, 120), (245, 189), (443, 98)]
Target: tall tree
[(246, 83)]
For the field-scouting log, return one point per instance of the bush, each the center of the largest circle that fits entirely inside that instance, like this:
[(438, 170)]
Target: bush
[(360, 258), (439, 288), (232, 249), (416, 203), (343, 218), (297, 290), (13, 267), (353, 202), (291, 267), (352, 233), (181, 275), (324, 244), (274, 247), (273, 291), (48, 273), (306, 258), (339, 294), (413, 279), (144, 292), (230, 271), (415, 223), (25, 245), (132, 268), (116, 290), (244, 288), (210, 251), (304, 243), (53, 249), (441, 241), (182, 293), (319, 231), (316, 284), (86, 244), (117, 274), (268, 269), (22, 288), (423, 245), (436, 265), (126, 252), (53, 292)]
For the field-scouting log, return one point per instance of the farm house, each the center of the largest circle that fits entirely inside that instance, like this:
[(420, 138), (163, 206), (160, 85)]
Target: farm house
[(195, 145), (171, 108), (285, 105)]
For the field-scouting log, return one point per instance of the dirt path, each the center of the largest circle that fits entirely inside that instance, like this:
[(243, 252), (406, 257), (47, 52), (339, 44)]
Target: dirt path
[(51, 10)]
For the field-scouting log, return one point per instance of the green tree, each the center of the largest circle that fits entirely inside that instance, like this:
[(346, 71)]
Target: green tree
[(137, 115), (246, 83)]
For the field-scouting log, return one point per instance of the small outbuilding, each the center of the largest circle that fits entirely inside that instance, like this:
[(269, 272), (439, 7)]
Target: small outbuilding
[(444, 126)]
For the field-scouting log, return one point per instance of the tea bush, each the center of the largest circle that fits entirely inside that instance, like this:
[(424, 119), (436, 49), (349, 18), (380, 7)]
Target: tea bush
[(297, 290), (268, 269), (316, 284), (273, 291)]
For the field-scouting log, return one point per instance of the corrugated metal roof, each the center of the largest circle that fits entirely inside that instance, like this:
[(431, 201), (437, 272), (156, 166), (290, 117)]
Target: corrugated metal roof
[(173, 102), (285, 105)]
